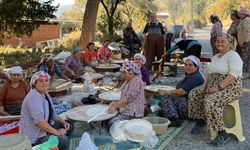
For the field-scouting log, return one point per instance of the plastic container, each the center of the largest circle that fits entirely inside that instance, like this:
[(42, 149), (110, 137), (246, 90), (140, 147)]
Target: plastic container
[(160, 125)]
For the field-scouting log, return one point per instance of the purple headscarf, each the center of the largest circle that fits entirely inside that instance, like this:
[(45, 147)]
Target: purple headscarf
[(130, 66)]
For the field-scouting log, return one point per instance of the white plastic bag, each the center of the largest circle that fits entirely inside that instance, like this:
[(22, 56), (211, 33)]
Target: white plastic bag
[(151, 142), (86, 143)]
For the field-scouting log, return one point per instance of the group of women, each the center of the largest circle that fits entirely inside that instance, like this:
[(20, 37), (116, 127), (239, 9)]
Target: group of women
[(197, 96), (240, 30)]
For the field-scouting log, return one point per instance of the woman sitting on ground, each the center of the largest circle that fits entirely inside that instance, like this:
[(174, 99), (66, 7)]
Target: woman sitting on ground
[(131, 104), (13, 92), (104, 53), (48, 65), (175, 102), (90, 55), (38, 118), (73, 67), (140, 60), (223, 85)]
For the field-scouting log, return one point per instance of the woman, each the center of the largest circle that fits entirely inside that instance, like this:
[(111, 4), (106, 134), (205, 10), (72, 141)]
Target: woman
[(140, 60), (154, 41), (243, 33), (223, 85), (48, 65), (104, 54), (90, 56), (233, 27), (38, 118), (131, 104), (73, 67), (215, 31), (13, 92), (175, 102)]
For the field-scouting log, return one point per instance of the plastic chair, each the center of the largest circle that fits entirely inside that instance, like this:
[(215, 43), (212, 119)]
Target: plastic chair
[(232, 121)]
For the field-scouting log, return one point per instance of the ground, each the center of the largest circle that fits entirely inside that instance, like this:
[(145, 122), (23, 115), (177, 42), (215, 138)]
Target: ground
[(186, 141)]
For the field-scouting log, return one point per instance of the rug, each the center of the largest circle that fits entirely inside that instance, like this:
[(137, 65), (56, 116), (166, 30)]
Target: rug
[(105, 141)]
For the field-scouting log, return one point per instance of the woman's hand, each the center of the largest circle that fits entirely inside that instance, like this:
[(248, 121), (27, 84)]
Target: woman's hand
[(112, 108), (212, 90), (162, 92), (66, 125), (204, 89), (61, 131)]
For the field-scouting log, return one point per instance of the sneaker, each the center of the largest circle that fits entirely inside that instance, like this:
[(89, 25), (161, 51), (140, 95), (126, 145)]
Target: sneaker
[(219, 140), (197, 129)]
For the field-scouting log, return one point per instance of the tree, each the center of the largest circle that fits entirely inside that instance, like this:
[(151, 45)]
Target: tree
[(89, 22), (75, 13), (110, 7), (19, 17)]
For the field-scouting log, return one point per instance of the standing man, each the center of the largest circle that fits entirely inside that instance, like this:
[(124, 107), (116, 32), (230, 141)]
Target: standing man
[(154, 40)]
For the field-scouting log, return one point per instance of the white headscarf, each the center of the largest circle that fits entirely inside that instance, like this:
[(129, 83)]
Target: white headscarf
[(140, 56), (16, 70), (195, 60), (38, 75)]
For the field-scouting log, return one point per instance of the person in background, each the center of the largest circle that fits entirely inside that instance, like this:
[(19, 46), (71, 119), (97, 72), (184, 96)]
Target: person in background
[(223, 85), (13, 92), (104, 53), (215, 31), (48, 65), (175, 102), (140, 60), (38, 118), (190, 47), (243, 33), (154, 40), (73, 66), (131, 104), (233, 28), (90, 55)]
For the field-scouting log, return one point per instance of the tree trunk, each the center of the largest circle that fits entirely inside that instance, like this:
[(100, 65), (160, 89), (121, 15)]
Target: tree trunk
[(110, 28), (89, 22)]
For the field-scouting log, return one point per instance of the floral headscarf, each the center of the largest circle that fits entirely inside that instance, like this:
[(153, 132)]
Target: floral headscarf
[(244, 11), (130, 66), (36, 76), (140, 56), (230, 39)]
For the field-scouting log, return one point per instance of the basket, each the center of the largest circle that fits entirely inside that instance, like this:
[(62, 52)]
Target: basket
[(160, 125)]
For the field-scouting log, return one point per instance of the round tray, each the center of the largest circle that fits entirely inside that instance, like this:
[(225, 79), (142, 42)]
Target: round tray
[(110, 96), (118, 61), (110, 66), (156, 88), (86, 112), (138, 130)]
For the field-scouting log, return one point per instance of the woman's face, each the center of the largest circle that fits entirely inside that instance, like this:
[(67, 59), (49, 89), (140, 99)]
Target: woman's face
[(222, 44), (241, 15), (153, 18), (232, 17), (42, 84), (128, 76), (106, 44), (15, 77), (92, 47), (78, 55), (190, 68), (138, 61)]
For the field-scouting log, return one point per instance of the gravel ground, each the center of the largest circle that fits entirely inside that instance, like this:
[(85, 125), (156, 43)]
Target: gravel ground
[(186, 141)]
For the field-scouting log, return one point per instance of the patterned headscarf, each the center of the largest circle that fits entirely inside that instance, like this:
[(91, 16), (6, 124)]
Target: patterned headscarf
[(244, 11), (77, 49), (16, 70), (230, 39), (140, 56), (38, 75), (130, 66)]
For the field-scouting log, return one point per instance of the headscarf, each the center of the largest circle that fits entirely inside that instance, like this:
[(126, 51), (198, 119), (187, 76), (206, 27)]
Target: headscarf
[(235, 13), (130, 66), (195, 60), (38, 75), (230, 39), (140, 56), (244, 11), (16, 70), (77, 49)]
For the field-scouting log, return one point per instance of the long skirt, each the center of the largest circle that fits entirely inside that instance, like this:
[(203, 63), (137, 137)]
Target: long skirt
[(175, 107), (246, 57), (210, 106), (212, 42), (154, 47)]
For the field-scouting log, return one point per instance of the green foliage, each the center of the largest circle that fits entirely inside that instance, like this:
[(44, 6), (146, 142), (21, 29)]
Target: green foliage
[(18, 17), (76, 13), (103, 24)]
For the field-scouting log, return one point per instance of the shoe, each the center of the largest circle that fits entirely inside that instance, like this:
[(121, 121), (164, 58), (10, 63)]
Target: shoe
[(175, 123), (219, 141), (197, 129)]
